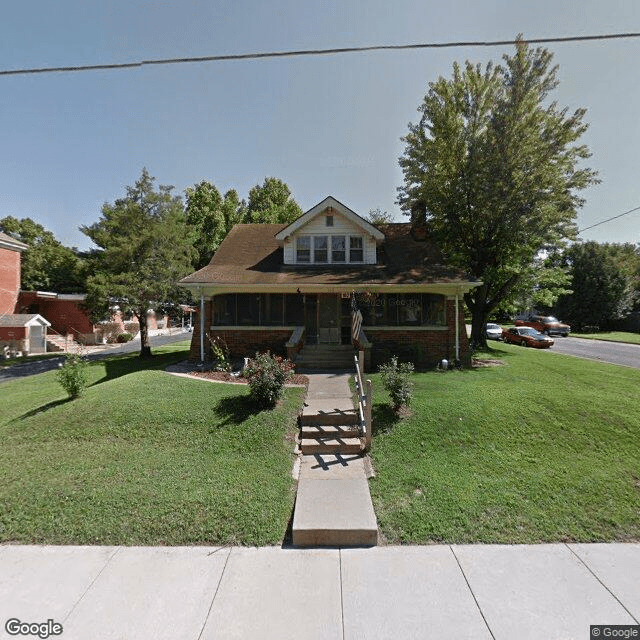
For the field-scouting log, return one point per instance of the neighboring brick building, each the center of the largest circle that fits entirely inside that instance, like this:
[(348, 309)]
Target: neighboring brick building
[(10, 255), (298, 289)]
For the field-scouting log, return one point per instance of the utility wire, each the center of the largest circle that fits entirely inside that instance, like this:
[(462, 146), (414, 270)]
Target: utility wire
[(315, 52), (597, 224)]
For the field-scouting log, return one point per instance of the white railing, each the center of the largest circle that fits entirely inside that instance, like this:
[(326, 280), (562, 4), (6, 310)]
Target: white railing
[(365, 399)]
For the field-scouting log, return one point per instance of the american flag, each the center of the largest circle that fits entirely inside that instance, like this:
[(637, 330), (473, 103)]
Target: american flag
[(356, 319)]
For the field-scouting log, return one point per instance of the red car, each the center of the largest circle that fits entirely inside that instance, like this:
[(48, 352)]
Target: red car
[(527, 337), (545, 324)]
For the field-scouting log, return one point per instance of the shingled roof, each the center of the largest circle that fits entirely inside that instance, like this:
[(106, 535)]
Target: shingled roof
[(250, 254)]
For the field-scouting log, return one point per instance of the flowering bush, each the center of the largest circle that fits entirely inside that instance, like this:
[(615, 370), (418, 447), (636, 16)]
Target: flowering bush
[(396, 380), (267, 376), (72, 375)]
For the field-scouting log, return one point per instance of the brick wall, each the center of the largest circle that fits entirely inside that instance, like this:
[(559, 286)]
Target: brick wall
[(241, 342), (65, 316), (424, 347), (9, 280)]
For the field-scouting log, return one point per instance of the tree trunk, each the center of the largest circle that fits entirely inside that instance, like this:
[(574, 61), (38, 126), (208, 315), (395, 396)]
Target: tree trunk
[(145, 347), (479, 313)]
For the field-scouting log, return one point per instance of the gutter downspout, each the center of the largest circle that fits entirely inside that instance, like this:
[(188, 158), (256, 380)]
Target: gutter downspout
[(201, 327), (457, 332)]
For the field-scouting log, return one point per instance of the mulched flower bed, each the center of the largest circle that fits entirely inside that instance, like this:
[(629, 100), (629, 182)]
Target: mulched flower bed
[(223, 376)]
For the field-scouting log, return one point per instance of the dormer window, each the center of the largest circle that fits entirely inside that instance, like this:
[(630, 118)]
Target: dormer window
[(329, 221), (320, 245), (303, 249), (356, 253), (338, 253)]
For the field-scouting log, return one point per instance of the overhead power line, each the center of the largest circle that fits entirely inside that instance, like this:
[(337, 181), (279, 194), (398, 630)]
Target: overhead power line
[(597, 224), (314, 52)]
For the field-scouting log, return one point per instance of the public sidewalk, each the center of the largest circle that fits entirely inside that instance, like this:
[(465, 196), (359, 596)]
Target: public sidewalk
[(544, 592)]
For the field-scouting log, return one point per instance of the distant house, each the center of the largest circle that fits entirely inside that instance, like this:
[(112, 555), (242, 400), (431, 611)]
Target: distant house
[(19, 333), (69, 316), (300, 289), (10, 258)]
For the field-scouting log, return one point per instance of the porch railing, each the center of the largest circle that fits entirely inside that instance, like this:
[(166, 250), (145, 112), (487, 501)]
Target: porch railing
[(365, 399), (295, 342)]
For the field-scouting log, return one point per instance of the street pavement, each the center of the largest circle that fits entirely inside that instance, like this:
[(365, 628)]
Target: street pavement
[(548, 592), (620, 353)]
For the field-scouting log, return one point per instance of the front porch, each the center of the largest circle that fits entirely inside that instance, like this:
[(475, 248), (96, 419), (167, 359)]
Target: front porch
[(315, 328)]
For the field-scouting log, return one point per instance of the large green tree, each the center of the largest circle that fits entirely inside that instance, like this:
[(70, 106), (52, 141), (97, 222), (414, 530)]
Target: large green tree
[(145, 247), (47, 265), (600, 286), (494, 168), (211, 216), (272, 202)]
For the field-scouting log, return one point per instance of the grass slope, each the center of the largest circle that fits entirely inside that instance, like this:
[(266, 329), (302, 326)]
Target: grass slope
[(545, 448), (611, 336), (143, 458)]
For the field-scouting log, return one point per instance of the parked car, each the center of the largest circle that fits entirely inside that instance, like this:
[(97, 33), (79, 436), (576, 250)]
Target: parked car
[(527, 337), (546, 324), (493, 331)]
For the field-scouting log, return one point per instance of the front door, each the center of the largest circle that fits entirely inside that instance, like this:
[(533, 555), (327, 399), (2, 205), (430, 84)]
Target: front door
[(328, 319), (311, 318)]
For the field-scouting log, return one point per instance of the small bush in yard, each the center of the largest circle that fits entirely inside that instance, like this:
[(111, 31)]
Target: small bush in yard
[(124, 337), (220, 354), (396, 380), (72, 375), (267, 376)]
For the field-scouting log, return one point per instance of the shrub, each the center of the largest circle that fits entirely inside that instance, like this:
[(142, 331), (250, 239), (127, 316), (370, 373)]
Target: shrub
[(267, 376), (72, 374), (124, 337), (396, 380), (220, 354)]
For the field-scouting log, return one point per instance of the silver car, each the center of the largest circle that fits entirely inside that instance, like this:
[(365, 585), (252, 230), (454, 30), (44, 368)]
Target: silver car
[(493, 331)]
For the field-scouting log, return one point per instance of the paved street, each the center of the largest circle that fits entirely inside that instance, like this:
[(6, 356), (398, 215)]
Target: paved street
[(498, 592), (613, 352)]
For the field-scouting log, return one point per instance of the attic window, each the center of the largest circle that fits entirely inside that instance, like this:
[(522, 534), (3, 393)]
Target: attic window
[(329, 220)]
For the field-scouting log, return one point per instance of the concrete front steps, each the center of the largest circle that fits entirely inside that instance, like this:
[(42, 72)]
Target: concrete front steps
[(325, 356), (57, 343), (331, 433), (333, 504)]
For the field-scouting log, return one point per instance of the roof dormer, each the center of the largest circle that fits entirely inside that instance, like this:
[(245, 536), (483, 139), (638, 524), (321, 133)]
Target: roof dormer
[(329, 234)]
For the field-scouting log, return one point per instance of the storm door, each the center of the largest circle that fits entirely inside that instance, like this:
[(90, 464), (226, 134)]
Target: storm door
[(328, 318)]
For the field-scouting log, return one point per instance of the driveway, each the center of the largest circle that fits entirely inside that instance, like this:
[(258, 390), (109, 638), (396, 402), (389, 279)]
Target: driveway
[(624, 354)]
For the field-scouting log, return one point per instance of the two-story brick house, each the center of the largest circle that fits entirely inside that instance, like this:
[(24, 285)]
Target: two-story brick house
[(293, 288)]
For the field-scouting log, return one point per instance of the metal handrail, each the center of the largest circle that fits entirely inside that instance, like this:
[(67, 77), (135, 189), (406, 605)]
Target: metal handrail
[(365, 396)]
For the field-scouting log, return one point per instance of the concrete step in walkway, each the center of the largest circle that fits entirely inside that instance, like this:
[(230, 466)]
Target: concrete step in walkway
[(333, 504)]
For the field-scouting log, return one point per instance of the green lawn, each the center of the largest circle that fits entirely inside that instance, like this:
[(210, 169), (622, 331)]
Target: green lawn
[(543, 448), (143, 458), (611, 336)]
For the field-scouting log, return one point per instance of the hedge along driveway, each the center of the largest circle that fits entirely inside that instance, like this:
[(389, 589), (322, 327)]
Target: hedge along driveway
[(544, 448), (144, 458)]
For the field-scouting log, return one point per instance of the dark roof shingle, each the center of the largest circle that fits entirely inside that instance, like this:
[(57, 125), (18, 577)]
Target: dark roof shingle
[(250, 254)]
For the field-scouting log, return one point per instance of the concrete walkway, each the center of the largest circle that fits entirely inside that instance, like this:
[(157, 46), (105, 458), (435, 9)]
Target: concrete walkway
[(333, 505), (202, 593)]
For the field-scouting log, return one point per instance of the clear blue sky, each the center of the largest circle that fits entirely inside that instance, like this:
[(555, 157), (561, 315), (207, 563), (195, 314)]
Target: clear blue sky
[(327, 125)]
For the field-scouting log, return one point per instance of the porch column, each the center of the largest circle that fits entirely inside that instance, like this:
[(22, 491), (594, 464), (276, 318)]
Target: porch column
[(201, 326)]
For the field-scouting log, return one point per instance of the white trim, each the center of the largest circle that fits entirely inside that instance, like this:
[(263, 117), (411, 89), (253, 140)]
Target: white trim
[(330, 201), (402, 327), (252, 327)]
